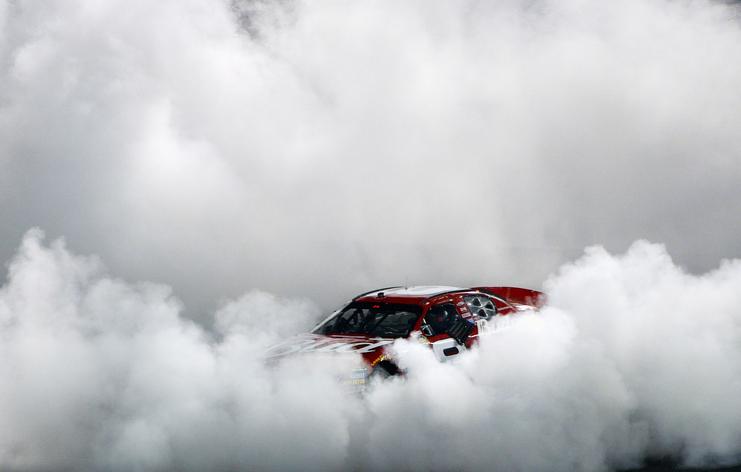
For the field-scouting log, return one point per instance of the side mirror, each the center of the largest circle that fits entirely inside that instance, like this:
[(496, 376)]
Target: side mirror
[(426, 330)]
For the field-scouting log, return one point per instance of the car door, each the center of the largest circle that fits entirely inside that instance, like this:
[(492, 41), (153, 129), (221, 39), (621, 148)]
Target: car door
[(446, 330)]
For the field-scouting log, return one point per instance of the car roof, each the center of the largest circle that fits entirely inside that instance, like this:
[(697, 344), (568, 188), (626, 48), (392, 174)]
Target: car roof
[(411, 295)]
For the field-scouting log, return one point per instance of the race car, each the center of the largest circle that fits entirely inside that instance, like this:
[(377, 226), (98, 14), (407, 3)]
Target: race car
[(448, 319)]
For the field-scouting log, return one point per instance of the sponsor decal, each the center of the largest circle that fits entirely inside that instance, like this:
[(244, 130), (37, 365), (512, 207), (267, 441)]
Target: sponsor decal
[(493, 324), (322, 344), (380, 358), (358, 378)]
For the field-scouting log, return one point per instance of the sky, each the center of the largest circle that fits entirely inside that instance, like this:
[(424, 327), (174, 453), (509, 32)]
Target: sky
[(173, 175)]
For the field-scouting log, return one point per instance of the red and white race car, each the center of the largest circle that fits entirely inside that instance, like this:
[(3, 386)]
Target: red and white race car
[(449, 319)]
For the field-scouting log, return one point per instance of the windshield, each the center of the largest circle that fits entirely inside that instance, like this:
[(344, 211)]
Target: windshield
[(372, 319)]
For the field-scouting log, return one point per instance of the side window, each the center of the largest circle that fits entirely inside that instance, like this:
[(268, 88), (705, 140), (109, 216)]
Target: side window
[(350, 320), (481, 306), (441, 317)]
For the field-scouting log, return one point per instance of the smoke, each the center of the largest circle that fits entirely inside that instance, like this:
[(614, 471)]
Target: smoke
[(633, 358), (319, 149), (99, 374), (263, 161)]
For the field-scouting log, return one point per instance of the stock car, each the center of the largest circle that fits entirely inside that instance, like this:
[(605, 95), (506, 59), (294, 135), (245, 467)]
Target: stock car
[(448, 319)]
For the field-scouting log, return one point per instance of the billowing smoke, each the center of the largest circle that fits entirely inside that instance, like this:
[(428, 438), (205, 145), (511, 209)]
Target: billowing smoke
[(320, 149), (259, 162), (634, 358), (100, 374)]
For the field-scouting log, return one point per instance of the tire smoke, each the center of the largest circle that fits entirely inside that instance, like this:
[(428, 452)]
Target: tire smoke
[(632, 358), (238, 153)]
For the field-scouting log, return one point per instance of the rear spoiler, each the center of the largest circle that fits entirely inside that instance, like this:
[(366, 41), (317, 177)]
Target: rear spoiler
[(521, 296)]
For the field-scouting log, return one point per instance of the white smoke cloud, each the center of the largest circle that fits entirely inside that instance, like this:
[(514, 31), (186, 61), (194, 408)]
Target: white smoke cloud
[(101, 374), (243, 151), (318, 148), (633, 358)]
